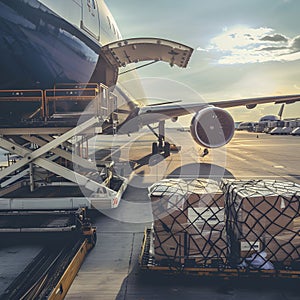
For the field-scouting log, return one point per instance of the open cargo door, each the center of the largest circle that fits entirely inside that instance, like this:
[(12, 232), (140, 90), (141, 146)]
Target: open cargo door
[(124, 52)]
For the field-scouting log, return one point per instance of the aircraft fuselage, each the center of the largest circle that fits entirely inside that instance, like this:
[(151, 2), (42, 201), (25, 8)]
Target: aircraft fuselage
[(44, 43)]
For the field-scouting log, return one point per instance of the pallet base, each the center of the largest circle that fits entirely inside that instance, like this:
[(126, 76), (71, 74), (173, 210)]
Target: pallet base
[(147, 263)]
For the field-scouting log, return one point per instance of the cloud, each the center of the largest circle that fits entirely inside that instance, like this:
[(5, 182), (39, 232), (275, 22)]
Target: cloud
[(273, 48), (275, 38), (296, 44), (242, 45)]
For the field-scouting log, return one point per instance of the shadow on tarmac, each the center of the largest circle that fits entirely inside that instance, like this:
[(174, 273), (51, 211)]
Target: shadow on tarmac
[(201, 170)]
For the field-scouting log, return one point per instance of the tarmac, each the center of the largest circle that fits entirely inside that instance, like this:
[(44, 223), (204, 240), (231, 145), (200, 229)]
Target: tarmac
[(111, 270)]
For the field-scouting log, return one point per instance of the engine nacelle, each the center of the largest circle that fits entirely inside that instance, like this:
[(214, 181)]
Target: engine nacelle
[(251, 106), (212, 127)]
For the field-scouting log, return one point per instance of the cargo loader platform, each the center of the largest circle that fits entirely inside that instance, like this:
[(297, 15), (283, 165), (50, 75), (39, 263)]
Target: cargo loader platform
[(49, 150)]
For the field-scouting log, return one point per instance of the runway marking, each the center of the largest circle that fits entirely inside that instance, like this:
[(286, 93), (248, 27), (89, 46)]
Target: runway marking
[(279, 167), (234, 156)]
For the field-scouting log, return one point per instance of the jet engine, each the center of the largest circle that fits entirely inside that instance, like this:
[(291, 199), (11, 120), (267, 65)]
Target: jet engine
[(212, 127)]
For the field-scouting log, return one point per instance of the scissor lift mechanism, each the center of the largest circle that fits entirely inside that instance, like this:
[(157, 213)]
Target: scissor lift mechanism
[(51, 150)]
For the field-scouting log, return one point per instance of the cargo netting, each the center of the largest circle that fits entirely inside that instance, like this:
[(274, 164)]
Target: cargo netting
[(189, 225), (238, 224), (262, 223)]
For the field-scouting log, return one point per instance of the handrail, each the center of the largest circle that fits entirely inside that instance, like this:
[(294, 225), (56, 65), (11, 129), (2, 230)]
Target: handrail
[(57, 95), (76, 85), (17, 94), (24, 95), (20, 91)]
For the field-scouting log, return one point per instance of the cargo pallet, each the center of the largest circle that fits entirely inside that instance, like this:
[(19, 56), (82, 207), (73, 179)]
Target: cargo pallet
[(148, 264)]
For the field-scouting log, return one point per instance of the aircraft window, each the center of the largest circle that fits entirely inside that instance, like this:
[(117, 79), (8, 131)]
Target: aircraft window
[(109, 22), (114, 28)]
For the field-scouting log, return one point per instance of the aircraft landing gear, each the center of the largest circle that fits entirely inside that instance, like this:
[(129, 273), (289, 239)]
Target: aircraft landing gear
[(161, 146), (165, 148)]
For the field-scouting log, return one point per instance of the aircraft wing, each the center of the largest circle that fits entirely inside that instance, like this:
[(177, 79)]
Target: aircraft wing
[(252, 102), (155, 113), (128, 51)]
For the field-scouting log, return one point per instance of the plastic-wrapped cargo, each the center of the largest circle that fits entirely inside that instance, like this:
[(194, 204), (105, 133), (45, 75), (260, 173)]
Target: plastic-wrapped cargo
[(188, 222), (262, 222)]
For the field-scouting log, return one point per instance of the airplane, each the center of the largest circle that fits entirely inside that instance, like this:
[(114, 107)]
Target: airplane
[(47, 42), (273, 117), (268, 122)]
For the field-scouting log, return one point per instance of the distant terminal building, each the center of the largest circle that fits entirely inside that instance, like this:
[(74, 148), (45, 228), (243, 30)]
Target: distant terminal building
[(248, 126), (270, 124), (292, 122), (236, 124), (274, 125)]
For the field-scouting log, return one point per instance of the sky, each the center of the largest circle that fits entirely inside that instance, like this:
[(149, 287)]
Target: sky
[(242, 48)]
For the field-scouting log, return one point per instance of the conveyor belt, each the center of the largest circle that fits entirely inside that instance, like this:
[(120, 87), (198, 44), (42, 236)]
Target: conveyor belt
[(39, 221), (52, 271), (43, 270)]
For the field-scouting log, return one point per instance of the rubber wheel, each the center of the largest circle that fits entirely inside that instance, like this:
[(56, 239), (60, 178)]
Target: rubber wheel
[(93, 239), (154, 148), (167, 149)]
